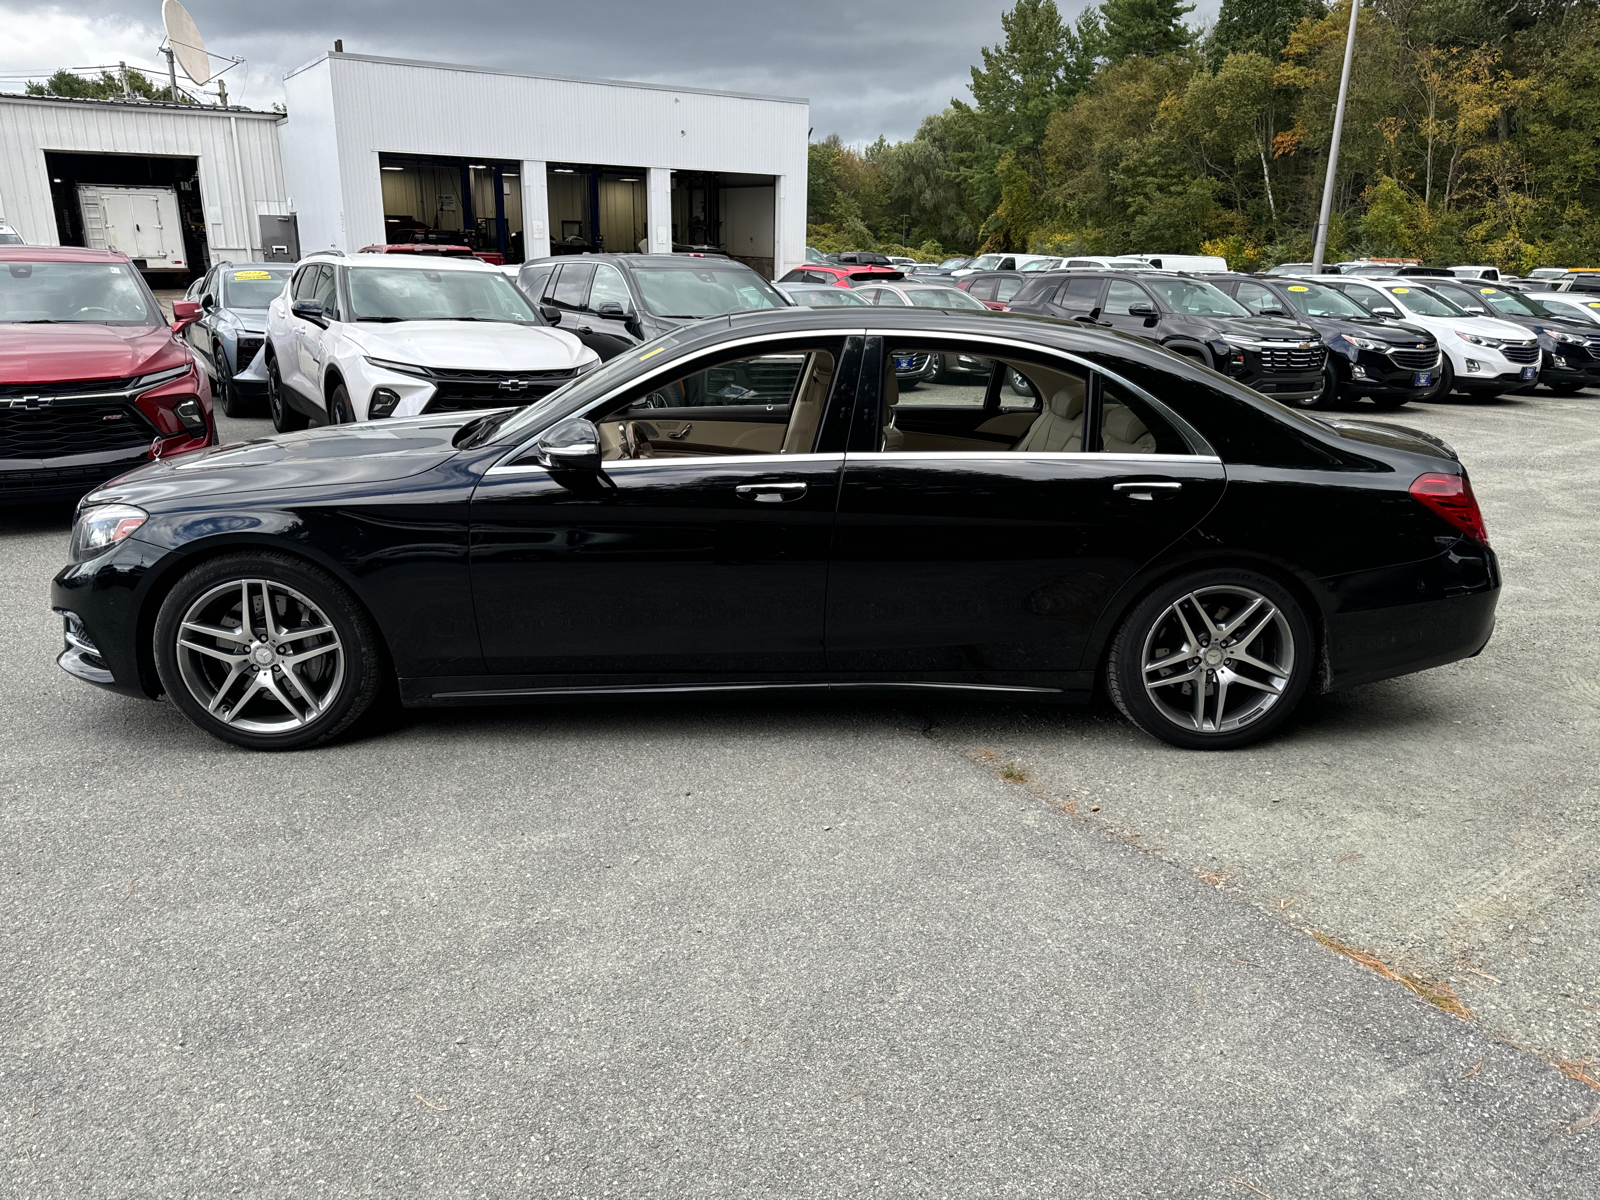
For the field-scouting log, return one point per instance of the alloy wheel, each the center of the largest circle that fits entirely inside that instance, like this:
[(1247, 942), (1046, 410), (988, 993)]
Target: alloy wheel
[(259, 656), (1217, 659)]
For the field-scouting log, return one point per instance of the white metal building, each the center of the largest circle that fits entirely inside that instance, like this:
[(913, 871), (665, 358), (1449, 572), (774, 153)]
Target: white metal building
[(224, 163), (374, 144)]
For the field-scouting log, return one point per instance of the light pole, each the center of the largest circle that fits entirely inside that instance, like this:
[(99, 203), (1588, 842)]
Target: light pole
[(903, 219), (1333, 149)]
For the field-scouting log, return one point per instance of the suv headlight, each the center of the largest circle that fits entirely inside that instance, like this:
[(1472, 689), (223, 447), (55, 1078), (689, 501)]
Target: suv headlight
[(1476, 340), (1361, 343), (404, 368), (102, 526), (1567, 339)]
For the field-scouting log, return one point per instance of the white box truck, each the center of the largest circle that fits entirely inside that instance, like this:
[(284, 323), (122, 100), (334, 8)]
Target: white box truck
[(142, 222)]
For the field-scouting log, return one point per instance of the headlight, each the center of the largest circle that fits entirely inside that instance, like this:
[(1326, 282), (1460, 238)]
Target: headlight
[(1492, 343), (103, 526), (1567, 339), (159, 377), (403, 367), (1361, 343)]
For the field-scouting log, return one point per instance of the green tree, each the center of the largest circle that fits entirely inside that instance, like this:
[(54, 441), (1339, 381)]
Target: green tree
[(1143, 28), (1257, 26), (106, 87)]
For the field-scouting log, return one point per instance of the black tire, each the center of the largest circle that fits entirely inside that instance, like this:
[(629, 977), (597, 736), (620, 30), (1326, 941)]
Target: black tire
[(284, 418), (340, 410), (302, 690), (1447, 378), (1328, 397), (1280, 666), (232, 403)]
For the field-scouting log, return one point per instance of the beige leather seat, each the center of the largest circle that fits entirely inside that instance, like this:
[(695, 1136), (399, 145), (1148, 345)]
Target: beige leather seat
[(1059, 428), (1122, 432), (810, 398), (893, 439)]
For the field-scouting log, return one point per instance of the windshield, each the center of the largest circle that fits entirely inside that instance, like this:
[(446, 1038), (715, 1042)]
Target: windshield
[(1041, 264), (1583, 310), (100, 293), (986, 262), (1196, 299), (944, 298), (689, 293), (1510, 302), (827, 297), (953, 264), (404, 294), (1317, 301), (595, 383), (10, 239), (252, 288), (1423, 302)]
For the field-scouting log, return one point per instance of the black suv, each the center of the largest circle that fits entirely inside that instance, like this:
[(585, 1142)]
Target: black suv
[(1385, 361), (1571, 345), (1275, 356), (614, 301)]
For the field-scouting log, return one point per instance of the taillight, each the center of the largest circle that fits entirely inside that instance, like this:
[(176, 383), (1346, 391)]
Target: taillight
[(1451, 497)]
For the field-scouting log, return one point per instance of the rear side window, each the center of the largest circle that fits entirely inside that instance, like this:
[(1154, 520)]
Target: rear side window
[(1007, 288), (1130, 425), (1080, 295), (570, 288), (305, 281), (983, 289), (322, 292)]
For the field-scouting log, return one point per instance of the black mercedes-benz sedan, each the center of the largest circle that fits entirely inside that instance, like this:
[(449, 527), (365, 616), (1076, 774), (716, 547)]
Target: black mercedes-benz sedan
[(748, 505)]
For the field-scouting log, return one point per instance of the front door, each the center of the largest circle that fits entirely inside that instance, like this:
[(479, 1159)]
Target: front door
[(984, 549), (699, 554)]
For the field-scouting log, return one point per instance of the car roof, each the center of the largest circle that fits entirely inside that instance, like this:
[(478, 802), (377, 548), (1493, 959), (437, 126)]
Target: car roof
[(58, 254), (651, 260), (408, 262)]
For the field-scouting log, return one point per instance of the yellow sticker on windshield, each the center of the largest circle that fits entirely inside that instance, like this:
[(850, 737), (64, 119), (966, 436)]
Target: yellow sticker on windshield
[(1593, 303), (242, 276), (1297, 287), (652, 353), (1401, 291), (1488, 291)]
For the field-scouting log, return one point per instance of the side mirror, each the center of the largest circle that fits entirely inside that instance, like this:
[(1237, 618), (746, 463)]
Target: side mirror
[(307, 311), (569, 445), (1271, 312), (1385, 311), (551, 315), (1142, 309), (208, 301), (184, 314), (613, 310), (1475, 310)]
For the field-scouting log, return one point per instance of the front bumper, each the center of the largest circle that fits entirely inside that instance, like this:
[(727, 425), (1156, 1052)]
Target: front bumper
[(100, 602), (47, 480), (1284, 386), (1375, 374)]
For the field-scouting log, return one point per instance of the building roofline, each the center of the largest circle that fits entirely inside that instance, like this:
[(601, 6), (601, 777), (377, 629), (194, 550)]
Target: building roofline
[(627, 83), (210, 110)]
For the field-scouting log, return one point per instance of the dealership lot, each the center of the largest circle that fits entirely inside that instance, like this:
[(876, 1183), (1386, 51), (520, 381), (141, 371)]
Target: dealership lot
[(810, 948)]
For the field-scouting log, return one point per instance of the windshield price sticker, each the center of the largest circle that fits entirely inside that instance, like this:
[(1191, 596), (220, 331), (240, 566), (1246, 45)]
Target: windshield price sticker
[(243, 276), (1298, 287), (1401, 291), (1488, 291)]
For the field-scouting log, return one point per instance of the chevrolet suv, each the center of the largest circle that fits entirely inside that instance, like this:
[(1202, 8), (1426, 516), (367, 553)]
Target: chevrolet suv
[(93, 380), (1276, 356)]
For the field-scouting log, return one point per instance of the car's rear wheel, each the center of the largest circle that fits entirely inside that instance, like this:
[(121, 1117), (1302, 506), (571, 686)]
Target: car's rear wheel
[(1213, 660), (284, 418), (267, 651)]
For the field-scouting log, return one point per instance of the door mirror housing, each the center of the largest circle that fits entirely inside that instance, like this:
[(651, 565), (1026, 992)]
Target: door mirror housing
[(1143, 309), (184, 314), (208, 301), (1384, 310), (1271, 312), (569, 445), (613, 310), (307, 311), (552, 316), (1474, 310)]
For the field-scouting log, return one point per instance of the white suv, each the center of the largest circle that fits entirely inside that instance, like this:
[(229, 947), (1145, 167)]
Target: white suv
[(1482, 356), (364, 336)]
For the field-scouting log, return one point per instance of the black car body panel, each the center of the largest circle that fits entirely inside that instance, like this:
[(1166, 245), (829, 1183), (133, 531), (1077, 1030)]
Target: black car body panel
[(1405, 368), (492, 579), (1274, 356)]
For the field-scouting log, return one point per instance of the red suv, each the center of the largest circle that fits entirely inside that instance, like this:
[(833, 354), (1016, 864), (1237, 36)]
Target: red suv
[(93, 381), (841, 276)]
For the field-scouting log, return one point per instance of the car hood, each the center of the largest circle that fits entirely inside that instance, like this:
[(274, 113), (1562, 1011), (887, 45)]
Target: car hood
[(332, 457), (1264, 328), (1393, 437), (467, 345), (45, 354)]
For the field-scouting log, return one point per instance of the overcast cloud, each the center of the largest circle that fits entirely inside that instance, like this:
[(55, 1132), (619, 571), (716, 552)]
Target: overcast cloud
[(867, 66)]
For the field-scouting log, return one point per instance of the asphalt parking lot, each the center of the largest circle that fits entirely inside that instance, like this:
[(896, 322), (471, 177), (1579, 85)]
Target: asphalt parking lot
[(822, 948)]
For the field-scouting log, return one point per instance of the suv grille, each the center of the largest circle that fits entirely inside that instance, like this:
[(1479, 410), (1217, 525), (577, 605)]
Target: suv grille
[(459, 391), (1521, 354), (1296, 359), (1415, 360), (59, 429), (71, 387)]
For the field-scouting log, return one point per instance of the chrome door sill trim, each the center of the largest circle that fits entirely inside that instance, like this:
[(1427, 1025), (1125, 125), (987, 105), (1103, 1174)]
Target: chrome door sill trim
[(958, 687), (673, 688)]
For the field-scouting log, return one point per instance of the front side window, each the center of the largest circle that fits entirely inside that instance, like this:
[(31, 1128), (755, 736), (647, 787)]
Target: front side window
[(1196, 299), (762, 404), (420, 294), (323, 294), (305, 281), (55, 293), (609, 287), (888, 299), (1122, 295)]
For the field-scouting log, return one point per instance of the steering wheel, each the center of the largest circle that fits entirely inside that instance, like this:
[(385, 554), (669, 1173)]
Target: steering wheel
[(635, 444)]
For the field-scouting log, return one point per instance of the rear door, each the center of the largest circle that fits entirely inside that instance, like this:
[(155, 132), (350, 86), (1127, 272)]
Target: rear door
[(991, 565)]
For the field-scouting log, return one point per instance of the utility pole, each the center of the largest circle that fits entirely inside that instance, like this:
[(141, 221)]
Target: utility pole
[(222, 92), (903, 235), (172, 75), (122, 70), (1333, 149)]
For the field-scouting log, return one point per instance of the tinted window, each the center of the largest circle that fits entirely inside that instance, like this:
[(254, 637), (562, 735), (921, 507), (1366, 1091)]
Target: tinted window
[(983, 289), (322, 292), (690, 293), (1080, 295), (1129, 425), (571, 286), (1122, 295), (1007, 288), (306, 281), (1195, 299)]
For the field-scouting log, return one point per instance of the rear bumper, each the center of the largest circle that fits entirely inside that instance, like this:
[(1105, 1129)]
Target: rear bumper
[(1409, 618)]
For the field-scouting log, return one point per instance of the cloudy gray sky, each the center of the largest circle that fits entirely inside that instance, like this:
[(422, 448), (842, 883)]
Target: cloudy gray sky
[(868, 66)]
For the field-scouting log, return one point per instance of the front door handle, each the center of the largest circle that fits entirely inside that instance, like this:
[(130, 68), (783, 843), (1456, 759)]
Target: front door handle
[(1148, 490), (770, 493)]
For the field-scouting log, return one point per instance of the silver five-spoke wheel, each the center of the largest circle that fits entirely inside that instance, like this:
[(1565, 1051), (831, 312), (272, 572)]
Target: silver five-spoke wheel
[(259, 656), (1218, 658)]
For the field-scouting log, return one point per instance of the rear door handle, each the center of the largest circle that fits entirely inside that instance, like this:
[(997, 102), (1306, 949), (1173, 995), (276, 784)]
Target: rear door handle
[(770, 493), (1149, 490)]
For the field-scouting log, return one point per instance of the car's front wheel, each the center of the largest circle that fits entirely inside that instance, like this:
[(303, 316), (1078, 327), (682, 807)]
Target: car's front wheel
[(267, 651), (284, 418), (1329, 395), (1213, 660)]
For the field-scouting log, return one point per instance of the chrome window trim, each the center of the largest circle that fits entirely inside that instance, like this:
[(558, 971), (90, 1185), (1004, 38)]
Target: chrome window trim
[(1015, 456), (721, 459), (1197, 441), (673, 364)]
